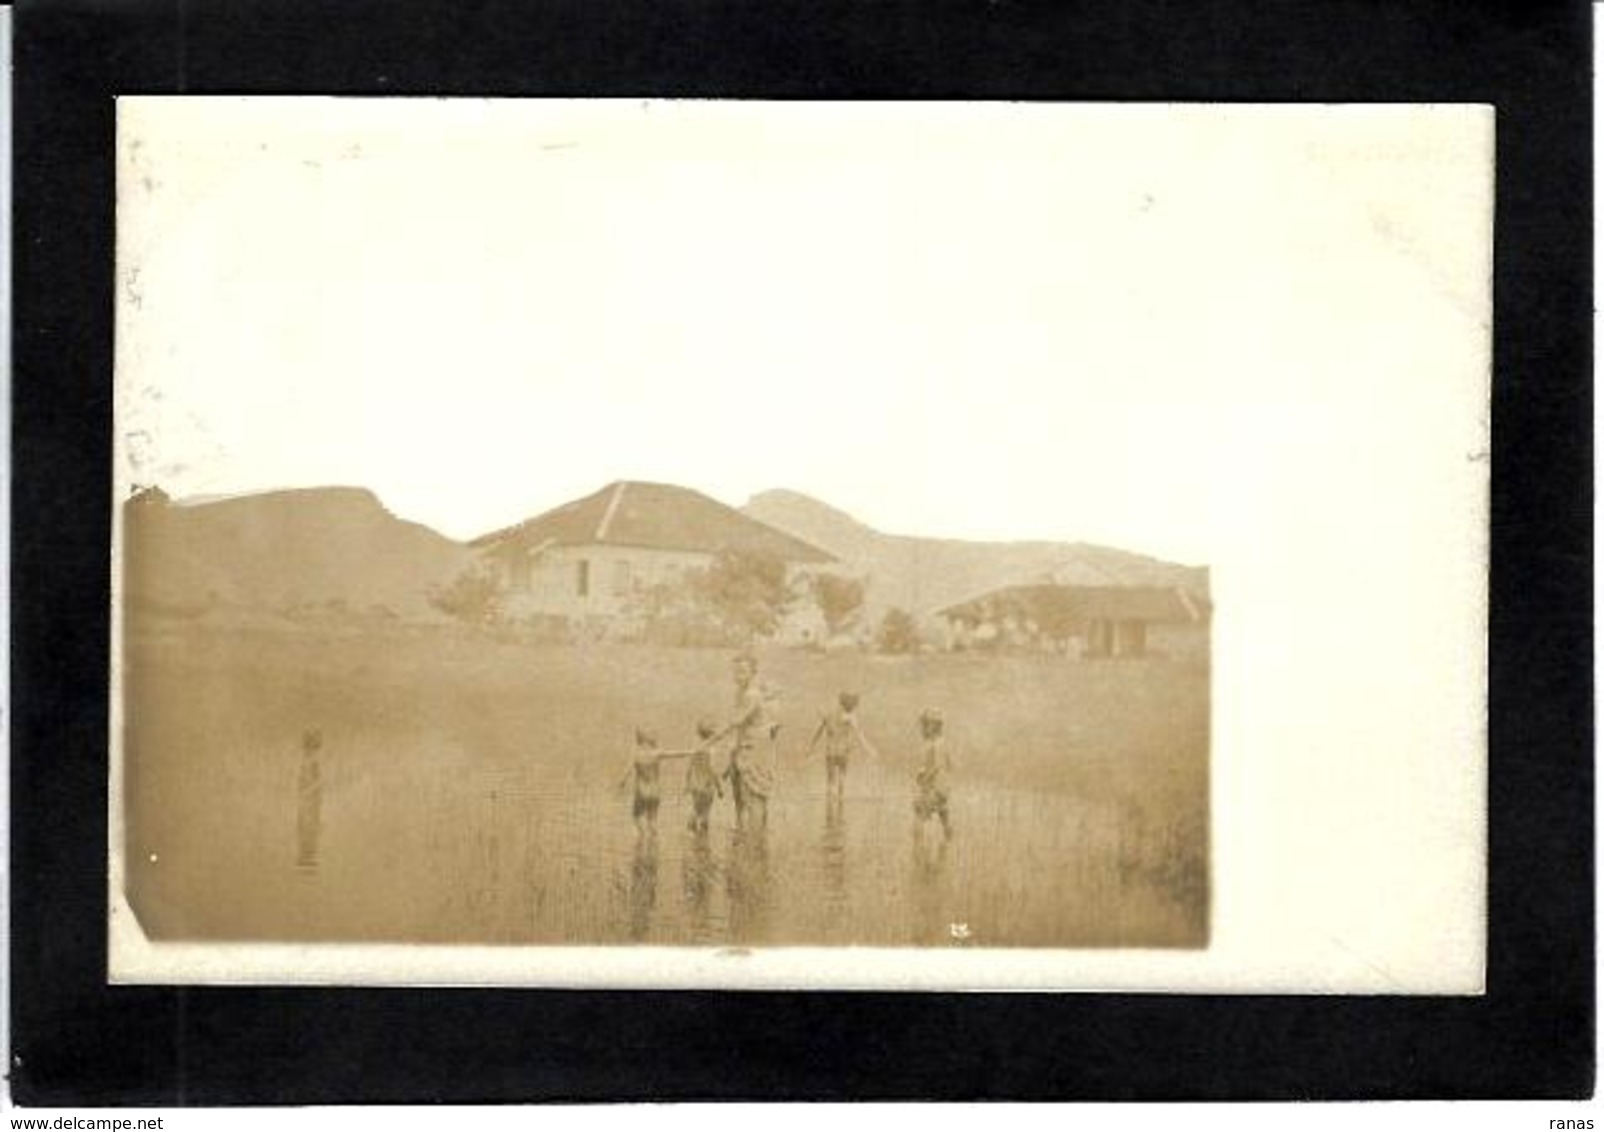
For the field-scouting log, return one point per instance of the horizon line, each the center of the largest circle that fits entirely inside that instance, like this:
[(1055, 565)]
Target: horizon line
[(204, 499)]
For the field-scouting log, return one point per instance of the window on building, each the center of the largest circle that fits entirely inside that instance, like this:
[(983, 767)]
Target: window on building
[(621, 577), (582, 578)]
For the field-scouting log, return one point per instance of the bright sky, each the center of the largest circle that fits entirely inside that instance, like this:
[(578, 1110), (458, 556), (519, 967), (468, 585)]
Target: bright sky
[(987, 321)]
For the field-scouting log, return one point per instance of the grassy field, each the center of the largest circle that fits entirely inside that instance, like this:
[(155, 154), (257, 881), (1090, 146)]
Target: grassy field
[(469, 796)]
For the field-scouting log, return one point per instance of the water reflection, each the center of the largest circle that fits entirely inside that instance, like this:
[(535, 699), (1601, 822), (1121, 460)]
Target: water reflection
[(699, 875), (930, 888), (309, 802), (833, 862), (642, 888), (533, 865), (747, 883)]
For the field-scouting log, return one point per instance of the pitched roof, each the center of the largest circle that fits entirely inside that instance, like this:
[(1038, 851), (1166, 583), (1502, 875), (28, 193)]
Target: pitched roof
[(1157, 604), (656, 516)]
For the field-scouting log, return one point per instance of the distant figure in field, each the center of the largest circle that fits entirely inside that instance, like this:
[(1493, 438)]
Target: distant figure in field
[(700, 781), (309, 801), (645, 771), (842, 736), (932, 782), (753, 728)]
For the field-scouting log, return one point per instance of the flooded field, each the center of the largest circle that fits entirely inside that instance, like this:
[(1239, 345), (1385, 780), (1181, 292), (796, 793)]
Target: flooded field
[(468, 792)]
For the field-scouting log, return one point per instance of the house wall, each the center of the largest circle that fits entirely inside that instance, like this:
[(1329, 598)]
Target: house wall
[(1007, 632), (1190, 641), (1130, 637), (602, 585), (1098, 638), (588, 581)]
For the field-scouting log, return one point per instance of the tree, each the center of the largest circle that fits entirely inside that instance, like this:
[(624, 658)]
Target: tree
[(899, 633), (473, 597), (745, 591), (840, 600), (676, 613)]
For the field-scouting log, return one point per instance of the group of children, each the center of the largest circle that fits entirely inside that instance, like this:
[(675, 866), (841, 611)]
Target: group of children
[(701, 784), (841, 736)]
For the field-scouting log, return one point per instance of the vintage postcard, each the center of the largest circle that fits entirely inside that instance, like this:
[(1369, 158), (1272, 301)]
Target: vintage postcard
[(741, 544)]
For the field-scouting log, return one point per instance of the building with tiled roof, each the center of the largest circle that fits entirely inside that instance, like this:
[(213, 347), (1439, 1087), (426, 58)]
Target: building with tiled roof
[(593, 559), (1109, 620)]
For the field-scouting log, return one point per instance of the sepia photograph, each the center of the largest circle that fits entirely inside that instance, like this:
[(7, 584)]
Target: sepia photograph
[(646, 536)]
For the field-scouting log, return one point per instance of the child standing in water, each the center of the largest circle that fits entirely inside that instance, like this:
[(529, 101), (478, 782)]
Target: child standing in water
[(841, 734), (932, 781), (646, 772), (700, 782), (309, 807)]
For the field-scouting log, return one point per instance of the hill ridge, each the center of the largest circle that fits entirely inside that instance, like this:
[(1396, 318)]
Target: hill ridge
[(340, 547), (281, 551), (924, 575)]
